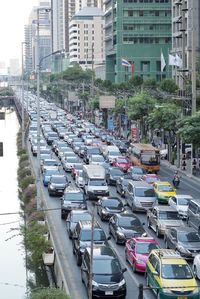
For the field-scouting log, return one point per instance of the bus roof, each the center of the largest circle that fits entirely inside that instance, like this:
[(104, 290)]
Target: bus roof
[(145, 147)]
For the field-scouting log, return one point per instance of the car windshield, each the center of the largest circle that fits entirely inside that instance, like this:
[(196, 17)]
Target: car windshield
[(97, 183), (50, 163), (149, 158), (113, 153), (93, 151), (137, 170), (49, 172), (99, 235), (165, 188), (166, 215), (188, 237), (73, 196), (116, 172), (176, 271), (183, 201), (59, 180), (144, 192), (128, 221), (78, 166), (145, 248), (121, 161), (79, 217), (151, 179), (71, 160), (106, 267), (98, 159), (112, 203)]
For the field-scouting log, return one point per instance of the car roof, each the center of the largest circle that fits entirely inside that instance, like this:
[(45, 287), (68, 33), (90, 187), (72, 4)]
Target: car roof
[(102, 252), (184, 229), (183, 196), (165, 208), (169, 256), (72, 189), (140, 184), (162, 183), (87, 224), (77, 212), (144, 240), (126, 214)]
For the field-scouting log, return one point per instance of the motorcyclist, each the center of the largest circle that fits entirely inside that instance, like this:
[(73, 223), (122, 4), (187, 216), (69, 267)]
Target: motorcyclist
[(176, 179)]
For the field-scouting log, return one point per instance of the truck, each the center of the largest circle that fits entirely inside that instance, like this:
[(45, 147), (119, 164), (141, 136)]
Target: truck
[(94, 182)]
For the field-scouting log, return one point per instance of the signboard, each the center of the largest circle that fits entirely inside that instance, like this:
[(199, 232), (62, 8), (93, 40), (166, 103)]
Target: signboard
[(134, 134), (106, 102)]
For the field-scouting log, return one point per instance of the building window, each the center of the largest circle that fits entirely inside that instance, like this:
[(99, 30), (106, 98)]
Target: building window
[(145, 66), (158, 66)]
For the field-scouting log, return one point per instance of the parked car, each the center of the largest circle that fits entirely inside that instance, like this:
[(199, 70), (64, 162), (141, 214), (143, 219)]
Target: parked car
[(137, 250), (72, 199), (108, 279), (180, 203), (108, 206), (124, 226), (112, 175), (185, 240), (161, 218), (168, 270), (74, 217), (57, 184)]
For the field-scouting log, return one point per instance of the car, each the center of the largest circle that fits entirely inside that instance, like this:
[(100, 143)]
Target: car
[(79, 179), (96, 159), (57, 184), (108, 206), (180, 203), (49, 171), (107, 276), (122, 184), (196, 266), (137, 250), (69, 163), (124, 226), (185, 240), (48, 162), (150, 178), (75, 168), (72, 199), (171, 275), (112, 175), (82, 236), (74, 217), (122, 162), (163, 191), (137, 173), (161, 218)]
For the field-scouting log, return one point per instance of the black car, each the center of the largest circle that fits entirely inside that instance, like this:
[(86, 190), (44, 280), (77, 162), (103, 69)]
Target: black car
[(88, 151), (57, 184), (185, 240), (108, 206), (125, 226), (122, 184), (72, 199), (82, 236), (107, 277), (113, 174)]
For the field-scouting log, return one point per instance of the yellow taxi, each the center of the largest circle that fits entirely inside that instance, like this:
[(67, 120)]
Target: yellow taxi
[(163, 191), (169, 275)]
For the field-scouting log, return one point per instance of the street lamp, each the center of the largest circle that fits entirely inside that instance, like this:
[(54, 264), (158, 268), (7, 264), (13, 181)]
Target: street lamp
[(23, 140)]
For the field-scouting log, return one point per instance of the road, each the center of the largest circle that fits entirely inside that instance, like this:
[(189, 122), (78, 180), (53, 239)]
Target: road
[(64, 245)]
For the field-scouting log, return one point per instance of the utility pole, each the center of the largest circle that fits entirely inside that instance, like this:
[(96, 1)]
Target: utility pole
[(194, 92), (23, 141), (91, 255), (92, 83)]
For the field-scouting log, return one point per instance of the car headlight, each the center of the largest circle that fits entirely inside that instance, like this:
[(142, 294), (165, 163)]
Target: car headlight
[(104, 211), (182, 249), (140, 262), (52, 187), (122, 282), (120, 234), (95, 284)]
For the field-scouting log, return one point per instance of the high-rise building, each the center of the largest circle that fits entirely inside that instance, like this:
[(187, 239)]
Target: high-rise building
[(137, 31), (86, 38), (14, 67), (77, 5)]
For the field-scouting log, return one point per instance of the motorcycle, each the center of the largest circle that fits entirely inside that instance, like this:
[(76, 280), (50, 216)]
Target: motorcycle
[(176, 181)]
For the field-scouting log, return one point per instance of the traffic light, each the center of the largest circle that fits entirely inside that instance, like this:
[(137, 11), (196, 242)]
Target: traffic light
[(1, 149)]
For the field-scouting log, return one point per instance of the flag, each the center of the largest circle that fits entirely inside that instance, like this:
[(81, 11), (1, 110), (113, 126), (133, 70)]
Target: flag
[(125, 62), (133, 69), (172, 60), (163, 63), (179, 61)]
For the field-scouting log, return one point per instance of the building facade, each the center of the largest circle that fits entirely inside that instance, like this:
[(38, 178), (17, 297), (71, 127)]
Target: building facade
[(86, 38), (138, 31), (76, 5)]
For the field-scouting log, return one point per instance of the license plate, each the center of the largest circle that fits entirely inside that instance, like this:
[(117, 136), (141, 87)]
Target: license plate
[(181, 297), (108, 293), (60, 190)]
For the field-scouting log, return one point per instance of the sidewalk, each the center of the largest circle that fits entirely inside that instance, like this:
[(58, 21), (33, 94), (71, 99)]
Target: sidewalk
[(186, 172)]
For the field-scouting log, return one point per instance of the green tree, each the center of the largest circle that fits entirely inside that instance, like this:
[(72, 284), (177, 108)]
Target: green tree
[(136, 81), (169, 85), (48, 293), (189, 129), (150, 83)]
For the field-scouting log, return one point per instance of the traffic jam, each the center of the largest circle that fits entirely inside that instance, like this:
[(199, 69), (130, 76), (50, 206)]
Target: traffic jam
[(95, 173)]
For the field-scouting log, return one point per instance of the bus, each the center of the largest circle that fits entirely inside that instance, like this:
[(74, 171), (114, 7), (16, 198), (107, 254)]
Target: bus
[(146, 156)]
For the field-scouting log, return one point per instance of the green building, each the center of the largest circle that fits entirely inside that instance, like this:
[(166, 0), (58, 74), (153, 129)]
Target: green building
[(137, 31)]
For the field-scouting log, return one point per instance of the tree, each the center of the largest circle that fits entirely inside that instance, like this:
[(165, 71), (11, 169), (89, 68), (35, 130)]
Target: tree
[(150, 83), (189, 129), (48, 293), (136, 81), (169, 85)]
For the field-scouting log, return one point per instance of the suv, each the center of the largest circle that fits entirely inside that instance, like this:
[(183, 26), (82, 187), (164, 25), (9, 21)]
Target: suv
[(193, 214), (161, 218), (109, 285), (82, 238), (72, 199), (169, 275)]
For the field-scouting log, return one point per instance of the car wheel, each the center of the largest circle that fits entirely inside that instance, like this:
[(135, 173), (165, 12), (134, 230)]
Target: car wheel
[(101, 217), (157, 232), (78, 260), (148, 223), (70, 234)]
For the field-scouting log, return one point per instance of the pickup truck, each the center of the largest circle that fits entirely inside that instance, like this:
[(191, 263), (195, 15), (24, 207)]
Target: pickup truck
[(161, 218)]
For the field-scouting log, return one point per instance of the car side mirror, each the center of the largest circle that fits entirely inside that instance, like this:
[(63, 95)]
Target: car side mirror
[(124, 270), (109, 238), (143, 223), (155, 273), (84, 269)]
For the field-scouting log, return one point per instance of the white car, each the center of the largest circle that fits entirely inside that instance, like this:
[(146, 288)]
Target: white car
[(79, 179), (180, 203), (196, 266), (96, 160)]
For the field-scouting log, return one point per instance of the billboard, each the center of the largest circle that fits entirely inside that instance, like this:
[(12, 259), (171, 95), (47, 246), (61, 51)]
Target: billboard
[(106, 102)]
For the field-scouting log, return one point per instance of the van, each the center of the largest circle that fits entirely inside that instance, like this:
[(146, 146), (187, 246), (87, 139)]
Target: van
[(193, 218), (94, 181), (140, 196)]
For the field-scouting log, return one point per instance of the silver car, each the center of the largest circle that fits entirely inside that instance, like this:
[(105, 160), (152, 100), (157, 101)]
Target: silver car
[(74, 217)]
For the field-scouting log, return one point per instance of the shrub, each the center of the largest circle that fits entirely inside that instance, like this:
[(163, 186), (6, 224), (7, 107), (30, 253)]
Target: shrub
[(48, 293), (23, 172), (26, 181)]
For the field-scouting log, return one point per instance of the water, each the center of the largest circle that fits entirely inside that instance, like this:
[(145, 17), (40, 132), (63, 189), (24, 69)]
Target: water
[(12, 264)]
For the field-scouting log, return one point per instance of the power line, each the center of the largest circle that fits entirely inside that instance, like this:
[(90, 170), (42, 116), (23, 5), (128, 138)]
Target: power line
[(19, 213)]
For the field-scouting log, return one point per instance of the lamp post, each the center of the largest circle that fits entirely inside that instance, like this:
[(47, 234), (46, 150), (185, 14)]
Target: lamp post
[(23, 142)]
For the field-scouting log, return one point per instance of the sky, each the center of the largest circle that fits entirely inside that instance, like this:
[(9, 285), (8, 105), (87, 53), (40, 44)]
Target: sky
[(13, 16)]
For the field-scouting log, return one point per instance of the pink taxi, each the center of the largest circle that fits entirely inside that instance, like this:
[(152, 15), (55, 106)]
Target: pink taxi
[(137, 251)]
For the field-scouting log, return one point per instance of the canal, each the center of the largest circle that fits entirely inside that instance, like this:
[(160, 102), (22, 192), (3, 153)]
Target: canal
[(12, 262)]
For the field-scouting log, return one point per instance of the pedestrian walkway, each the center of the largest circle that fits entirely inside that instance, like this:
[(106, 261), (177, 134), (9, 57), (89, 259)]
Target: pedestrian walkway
[(187, 172)]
